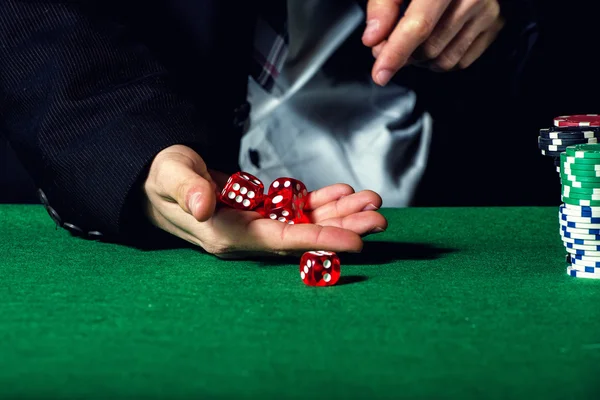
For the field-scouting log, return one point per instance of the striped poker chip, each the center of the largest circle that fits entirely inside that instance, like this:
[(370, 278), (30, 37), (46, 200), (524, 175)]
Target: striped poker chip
[(583, 257), (570, 158), (584, 220), (581, 247), (566, 142), (577, 120), (580, 191), (580, 184), (581, 274), (578, 212), (569, 133), (576, 236), (580, 231), (580, 178), (578, 225), (576, 195), (593, 266), (581, 209), (581, 252), (580, 167), (580, 202), (552, 148), (549, 153), (584, 151), (585, 242), (580, 172)]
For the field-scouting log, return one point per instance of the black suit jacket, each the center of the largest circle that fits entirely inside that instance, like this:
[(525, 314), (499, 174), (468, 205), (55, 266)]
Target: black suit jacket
[(91, 91)]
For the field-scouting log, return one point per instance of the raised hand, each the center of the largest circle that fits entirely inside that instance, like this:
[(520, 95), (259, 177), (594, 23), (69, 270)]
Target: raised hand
[(440, 34)]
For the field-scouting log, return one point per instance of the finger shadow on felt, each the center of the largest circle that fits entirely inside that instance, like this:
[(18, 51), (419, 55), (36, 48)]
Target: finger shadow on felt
[(380, 252), (374, 253)]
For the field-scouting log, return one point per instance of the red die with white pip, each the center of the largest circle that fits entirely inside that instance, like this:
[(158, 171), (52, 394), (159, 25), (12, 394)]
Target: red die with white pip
[(243, 191), (320, 268), (294, 186), (280, 206)]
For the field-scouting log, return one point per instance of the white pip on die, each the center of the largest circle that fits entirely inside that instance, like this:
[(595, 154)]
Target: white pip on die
[(296, 187), (243, 191), (320, 268)]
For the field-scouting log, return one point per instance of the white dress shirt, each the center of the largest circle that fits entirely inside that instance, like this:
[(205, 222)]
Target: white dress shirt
[(323, 132)]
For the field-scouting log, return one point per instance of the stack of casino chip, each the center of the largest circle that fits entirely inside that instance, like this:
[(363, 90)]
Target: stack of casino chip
[(573, 144), (580, 212), (568, 131)]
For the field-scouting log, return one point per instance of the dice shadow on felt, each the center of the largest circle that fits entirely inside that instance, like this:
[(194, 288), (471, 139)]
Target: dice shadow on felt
[(350, 279)]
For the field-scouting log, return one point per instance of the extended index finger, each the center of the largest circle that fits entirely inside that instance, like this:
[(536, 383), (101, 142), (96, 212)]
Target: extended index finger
[(414, 28)]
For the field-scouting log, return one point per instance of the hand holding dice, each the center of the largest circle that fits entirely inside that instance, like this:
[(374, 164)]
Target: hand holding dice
[(285, 202), (183, 197)]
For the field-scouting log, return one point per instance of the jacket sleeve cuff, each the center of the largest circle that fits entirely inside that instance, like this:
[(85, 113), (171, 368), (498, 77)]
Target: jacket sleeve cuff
[(96, 185)]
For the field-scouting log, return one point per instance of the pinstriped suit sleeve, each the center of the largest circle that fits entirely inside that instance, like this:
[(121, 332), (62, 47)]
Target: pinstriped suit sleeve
[(86, 109)]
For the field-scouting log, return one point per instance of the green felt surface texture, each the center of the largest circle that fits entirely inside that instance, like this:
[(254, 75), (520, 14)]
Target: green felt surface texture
[(447, 303)]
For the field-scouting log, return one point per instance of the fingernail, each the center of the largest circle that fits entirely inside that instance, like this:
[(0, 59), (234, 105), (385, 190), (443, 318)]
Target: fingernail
[(371, 28), (384, 76), (377, 230), (369, 207), (194, 203)]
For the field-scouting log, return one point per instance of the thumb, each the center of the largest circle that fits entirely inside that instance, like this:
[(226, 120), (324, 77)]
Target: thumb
[(196, 195), (184, 178)]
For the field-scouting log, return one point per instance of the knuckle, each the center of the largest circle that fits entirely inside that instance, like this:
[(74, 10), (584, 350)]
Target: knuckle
[(419, 27), (216, 244), (495, 9), (446, 62), (449, 60), (151, 185), (221, 250), (432, 48), (285, 232), (491, 12), (182, 189), (393, 55)]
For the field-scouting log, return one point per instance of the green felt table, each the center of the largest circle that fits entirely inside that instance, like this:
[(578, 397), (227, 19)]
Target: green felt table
[(447, 303)]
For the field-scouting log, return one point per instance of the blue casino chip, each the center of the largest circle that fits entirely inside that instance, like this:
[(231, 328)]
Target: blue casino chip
[(582, 231), (574, 272), (582, 247), (570, 235), (584, 220), (592, 266)]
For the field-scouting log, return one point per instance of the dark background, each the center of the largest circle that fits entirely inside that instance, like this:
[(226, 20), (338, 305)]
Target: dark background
[(484, 150)]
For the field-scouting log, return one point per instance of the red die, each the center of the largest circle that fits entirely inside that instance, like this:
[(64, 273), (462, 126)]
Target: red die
[(320, 268), (243, 191), (280, 206), (296, 187)]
